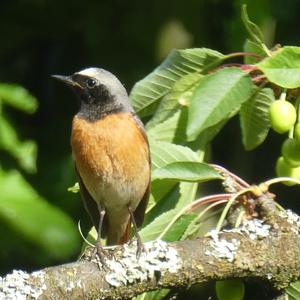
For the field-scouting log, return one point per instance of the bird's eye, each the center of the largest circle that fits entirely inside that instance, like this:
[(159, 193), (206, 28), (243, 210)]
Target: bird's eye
[(91, 83)]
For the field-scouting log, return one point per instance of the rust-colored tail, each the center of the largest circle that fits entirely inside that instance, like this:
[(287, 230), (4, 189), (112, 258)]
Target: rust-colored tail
[(118, 235), (126, 236)]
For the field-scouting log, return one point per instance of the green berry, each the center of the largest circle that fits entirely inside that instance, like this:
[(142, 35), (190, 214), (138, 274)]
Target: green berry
[(283, 169), (230, 290), (297, 132), (282, 115), (291, 152)]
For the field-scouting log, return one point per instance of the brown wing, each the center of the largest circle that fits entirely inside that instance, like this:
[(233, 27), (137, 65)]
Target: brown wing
[(90, 204), (139, 213)]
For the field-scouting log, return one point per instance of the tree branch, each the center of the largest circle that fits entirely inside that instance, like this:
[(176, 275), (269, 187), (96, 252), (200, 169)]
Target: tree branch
[(267, 249)]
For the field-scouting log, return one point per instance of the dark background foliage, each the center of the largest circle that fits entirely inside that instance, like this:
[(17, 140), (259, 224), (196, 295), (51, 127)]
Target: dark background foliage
[(129, 38)]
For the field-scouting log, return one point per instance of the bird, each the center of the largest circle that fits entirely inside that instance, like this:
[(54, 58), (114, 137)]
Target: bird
[(111, 154)]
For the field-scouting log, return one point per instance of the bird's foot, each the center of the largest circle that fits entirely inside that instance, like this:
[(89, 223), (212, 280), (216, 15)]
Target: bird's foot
[(140, 248), (101, 255)]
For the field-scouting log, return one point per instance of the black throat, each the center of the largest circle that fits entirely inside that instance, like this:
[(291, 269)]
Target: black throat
[(93, 112), (97, 99)]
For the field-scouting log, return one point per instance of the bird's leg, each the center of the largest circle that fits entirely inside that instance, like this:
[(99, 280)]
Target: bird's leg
[(100, 251), (140, 246)]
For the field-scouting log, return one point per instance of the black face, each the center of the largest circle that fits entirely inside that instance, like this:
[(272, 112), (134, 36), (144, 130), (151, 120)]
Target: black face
[(97, 99), (90, 90)]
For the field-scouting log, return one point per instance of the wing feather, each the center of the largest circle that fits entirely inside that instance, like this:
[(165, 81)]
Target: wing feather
[(139, 213), (90, 205)]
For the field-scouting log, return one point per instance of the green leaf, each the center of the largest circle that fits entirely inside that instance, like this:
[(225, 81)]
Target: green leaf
[(218, 96), (165, 131), (172, 130), (283, 67), (155, 228), (146, 93), (254, 118), (208, 135), (293, 291), (253, 30), (163, 153), (75, 188), (204, 221), (166, 198), (252, 47), (192, 229), (179, 196), (39, 222), (18, 97), (152, 230), (186, 171), (8, 135), (188, 193), (176, 99), (179, 227), (25, 152), (168, 210), (153, 295), (90, 238), (160, 189)]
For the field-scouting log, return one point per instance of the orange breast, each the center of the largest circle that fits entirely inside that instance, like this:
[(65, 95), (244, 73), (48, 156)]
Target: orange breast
[(112, 158)]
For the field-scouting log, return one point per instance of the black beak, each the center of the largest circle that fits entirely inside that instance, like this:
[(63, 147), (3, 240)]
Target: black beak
[(67, 80)]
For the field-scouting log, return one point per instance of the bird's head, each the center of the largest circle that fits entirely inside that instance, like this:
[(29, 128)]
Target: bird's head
[(99, 91)]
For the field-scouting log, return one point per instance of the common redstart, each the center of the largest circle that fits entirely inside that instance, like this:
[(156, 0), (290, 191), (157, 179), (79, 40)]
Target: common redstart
[(111, 153)]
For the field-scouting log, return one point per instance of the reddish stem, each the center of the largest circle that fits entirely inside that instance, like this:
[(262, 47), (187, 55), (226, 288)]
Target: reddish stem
[(258, 78), (247, 68), (208, 199), (237, 54), (237, 179)]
